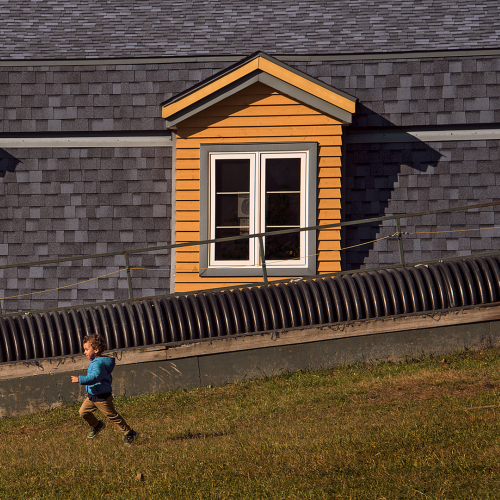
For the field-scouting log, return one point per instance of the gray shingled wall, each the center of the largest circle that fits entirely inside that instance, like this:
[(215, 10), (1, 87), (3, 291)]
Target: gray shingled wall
[(412, 92), (58, 202), (92, 98), (413, 177), (69, 202)]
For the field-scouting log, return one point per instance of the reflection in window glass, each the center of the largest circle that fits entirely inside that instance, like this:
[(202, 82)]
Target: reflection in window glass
[(232, 197), (282, 207)]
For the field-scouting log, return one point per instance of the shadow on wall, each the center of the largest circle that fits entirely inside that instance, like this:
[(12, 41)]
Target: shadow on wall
[(381, 178), (8, 163)]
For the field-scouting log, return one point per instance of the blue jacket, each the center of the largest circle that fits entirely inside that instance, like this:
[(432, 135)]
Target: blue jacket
[(98, 379)]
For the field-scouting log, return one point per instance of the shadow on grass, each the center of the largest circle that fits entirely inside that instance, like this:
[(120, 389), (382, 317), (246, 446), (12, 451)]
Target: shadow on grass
[(197, 435)]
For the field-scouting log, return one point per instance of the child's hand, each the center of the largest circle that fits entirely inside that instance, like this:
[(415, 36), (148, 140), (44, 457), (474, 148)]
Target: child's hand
[(74, 379)]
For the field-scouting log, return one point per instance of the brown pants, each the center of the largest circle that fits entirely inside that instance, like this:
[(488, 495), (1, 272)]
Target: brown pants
[(107, 408)]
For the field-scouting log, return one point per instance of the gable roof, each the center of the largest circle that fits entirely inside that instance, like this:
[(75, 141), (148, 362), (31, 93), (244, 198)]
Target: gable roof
[(93, 29), (259, 67)]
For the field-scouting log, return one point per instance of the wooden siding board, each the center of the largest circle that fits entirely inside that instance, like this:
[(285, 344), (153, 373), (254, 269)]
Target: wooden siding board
[(187, 215), (187, 185), (329, 267), (183, 237), (329, 151), (260, 121), (264, 97), (330, 140), (253, 110), (329, 172), (328, 234), (329, 182), (188, 174), (324, 246), (328, 203), (187, 226), (185, 164), (214, 133), (190, 154), (195, 280), (187, 257), (188, 206), (329, 215), (328, 193), (329, 162), (188, 195)]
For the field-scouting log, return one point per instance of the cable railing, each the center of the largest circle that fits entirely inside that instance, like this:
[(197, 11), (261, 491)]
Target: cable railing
[(127, 268)]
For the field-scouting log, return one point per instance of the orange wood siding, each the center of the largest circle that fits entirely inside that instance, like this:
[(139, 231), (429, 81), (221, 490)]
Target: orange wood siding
[(256, 114)]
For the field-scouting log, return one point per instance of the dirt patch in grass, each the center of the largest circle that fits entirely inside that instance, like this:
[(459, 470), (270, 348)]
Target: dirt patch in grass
[(425, 386)]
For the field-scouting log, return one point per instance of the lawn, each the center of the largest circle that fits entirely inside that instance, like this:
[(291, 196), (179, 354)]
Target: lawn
[(426, 428)]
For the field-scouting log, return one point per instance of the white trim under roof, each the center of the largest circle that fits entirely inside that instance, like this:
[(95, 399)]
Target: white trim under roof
[(357, 136), (101, 141)]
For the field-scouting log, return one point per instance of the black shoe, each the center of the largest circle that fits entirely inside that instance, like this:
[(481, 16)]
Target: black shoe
[(95, 430), (130, 438)]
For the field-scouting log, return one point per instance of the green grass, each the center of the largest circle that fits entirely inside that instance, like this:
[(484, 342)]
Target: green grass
[(426, 429)]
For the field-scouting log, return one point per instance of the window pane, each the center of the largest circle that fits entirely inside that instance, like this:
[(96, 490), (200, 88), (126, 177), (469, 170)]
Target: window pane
[(232, 250), (282, 246), (283, 209), (232, 209), (282, 174), (232, 175)]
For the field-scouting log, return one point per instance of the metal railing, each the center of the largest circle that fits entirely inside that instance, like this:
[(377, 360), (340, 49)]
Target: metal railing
[(127, 253)]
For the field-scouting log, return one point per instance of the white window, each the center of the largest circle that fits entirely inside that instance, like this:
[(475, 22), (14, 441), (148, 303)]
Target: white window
[(248, 189)]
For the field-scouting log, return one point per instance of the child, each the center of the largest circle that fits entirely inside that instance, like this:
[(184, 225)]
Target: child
[(98, 386)]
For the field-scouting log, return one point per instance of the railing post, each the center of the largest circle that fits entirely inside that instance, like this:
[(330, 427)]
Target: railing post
[(129, 276), (400, 241), (263, 259)]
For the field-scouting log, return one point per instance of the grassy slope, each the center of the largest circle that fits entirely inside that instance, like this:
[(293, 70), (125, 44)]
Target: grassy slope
[(426, 428)]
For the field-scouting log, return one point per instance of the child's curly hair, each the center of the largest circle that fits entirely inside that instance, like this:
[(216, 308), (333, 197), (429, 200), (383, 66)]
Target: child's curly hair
[(97, 342)]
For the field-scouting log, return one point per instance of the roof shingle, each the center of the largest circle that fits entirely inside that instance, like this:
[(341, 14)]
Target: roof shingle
[(86, 29)]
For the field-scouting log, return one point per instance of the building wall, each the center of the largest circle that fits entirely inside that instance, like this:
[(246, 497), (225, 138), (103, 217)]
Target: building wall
[(427, 93), (68, 202), (95, 99), (397, 178), (256, 114)]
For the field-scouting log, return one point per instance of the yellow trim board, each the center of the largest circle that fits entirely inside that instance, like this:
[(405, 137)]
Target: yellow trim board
[(173, 108), (306, 85), (266, 66)]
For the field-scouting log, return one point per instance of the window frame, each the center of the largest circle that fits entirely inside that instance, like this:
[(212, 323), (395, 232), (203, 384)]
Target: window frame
[(307, 266)]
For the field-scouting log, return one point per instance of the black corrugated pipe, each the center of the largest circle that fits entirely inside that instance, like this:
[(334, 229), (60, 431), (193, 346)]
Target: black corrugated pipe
[(318, 301)]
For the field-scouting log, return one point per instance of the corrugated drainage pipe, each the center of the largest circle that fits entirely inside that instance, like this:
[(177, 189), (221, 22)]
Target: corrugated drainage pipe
[(335, 299)]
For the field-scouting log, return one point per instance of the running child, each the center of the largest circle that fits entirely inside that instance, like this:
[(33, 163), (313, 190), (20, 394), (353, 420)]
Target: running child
[(98, 385)]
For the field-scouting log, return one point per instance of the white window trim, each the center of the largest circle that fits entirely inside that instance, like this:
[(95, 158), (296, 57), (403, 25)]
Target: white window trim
[(304, 182), (306, 265), (212, 263)]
